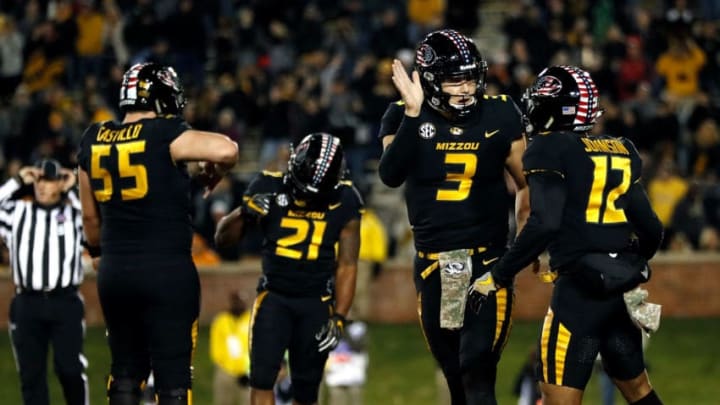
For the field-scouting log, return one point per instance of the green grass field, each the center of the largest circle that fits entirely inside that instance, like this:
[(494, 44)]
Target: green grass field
[(684, 359)]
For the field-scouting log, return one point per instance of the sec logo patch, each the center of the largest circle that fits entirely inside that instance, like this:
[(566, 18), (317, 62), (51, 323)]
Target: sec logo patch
[(427, 130)]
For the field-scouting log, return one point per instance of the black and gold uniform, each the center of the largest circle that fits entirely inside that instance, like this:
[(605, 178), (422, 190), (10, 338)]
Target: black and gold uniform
[(457, 199), (147, 282), (591, 212), (296, 291)]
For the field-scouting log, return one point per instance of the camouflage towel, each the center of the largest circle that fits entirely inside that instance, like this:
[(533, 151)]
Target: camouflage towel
[(645, 315), (455, 273)]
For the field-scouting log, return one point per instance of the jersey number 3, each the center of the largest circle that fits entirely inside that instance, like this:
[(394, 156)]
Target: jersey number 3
[(463, 180), (125, 170), (611, 214)]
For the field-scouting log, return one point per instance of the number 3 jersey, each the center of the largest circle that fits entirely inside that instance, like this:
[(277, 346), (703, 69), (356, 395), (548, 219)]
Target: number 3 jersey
[(597, 171), (455, 189), (143, 195), (299, 245)]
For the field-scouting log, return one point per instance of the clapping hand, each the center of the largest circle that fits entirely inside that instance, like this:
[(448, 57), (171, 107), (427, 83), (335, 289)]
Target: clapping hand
[(410, 89)]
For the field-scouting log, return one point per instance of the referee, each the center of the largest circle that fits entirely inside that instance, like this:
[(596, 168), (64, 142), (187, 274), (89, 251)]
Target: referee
[(43, 236)]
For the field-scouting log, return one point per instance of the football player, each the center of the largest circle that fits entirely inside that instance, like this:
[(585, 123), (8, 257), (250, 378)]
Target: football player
[(587, 202), (451, 145), (135, 195), (307, 286)]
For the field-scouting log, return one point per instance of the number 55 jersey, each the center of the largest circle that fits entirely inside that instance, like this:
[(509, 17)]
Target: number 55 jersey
[(299, 245), (143, 195)]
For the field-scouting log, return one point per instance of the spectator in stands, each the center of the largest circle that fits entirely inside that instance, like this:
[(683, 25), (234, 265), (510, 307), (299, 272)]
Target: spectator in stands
[(679, 66), (665, 191), (230, 353)]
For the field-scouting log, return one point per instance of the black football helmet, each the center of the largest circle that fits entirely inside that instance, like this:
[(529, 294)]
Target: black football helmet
[(448, 55), (315, 169), (152, 87), (562, 98)]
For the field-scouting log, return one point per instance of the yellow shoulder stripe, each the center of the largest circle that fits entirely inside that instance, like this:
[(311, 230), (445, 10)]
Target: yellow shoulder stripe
[(400, 102), (272, 173), (502, 97)]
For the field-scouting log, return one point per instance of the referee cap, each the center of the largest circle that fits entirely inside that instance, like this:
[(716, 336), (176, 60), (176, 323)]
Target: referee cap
[(50, 169)]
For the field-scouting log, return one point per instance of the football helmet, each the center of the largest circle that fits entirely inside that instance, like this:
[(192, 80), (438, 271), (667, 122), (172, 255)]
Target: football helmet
[(315, 168), (448, 55), (562, 98), (152, 87)]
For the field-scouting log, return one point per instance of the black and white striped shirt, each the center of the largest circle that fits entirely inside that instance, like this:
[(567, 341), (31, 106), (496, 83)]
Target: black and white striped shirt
[(44, 242)]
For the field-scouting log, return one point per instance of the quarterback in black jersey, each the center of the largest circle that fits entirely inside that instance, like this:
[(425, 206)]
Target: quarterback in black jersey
[(135, 195), (307, 288), (451, 146), (587, 203)]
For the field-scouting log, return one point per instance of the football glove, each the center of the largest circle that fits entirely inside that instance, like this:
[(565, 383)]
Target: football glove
[(329, 335), (257, 206), (479, 291)]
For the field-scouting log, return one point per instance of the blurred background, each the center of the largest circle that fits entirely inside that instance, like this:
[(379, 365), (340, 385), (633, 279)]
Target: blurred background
[(267, 72)]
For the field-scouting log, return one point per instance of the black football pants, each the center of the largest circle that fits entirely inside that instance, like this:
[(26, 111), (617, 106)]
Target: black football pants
[(151, 304), (468, 357), (38, 319)]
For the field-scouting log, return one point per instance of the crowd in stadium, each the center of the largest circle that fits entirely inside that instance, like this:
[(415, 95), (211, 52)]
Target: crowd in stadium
[(266, 72)]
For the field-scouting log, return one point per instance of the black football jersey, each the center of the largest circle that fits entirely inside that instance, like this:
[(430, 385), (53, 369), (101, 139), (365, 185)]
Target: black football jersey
[(455, 190), (143, 195), (598, 171), (298, 254)]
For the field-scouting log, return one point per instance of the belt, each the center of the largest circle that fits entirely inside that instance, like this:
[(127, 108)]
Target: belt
[(50, 293), (435, 256)]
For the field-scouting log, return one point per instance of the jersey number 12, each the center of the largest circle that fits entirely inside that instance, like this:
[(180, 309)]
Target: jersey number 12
[(611, 214)]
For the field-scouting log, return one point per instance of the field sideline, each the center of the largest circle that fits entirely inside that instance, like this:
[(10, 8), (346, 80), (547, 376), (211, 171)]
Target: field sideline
[(684, 361)]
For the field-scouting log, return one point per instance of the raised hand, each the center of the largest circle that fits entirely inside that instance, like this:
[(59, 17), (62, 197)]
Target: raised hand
[(29, 174), (410, 89)]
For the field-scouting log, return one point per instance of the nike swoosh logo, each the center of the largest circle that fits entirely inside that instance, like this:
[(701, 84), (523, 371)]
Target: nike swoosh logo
[(333, 206), (489, 134), (486, 262)]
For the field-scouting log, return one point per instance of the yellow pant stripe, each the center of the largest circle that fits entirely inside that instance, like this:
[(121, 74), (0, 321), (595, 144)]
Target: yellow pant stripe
[(194, 337), (256, 305), (422, 327), (545, 341), (561, 347), (501, 308), (428, 270), (189, 395)]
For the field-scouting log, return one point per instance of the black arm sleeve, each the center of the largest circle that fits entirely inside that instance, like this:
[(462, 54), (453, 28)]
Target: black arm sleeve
[(547, 202), (398, 155), (648, 227)]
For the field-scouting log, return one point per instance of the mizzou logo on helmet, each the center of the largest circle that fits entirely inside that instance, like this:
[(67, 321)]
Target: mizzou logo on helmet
[(426, 55), (549, 86)]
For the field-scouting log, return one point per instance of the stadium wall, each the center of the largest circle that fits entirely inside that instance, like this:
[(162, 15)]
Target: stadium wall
[(687, 285)]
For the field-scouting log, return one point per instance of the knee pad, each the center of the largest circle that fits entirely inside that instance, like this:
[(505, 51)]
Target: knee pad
[(175, 396), (124, 391)]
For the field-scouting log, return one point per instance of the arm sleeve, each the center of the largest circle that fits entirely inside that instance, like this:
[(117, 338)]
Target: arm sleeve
[(7, 190), (396, 159), (646, 224), (547, 201)]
